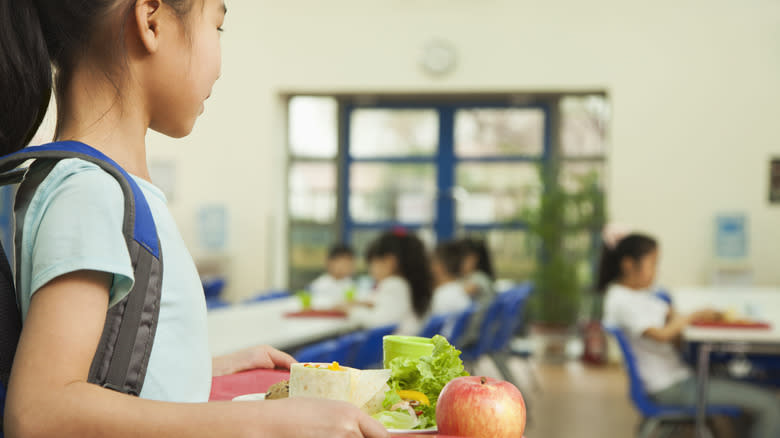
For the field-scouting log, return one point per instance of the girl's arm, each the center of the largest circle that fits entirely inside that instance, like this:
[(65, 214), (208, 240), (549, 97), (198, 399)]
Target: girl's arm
[(49, 396), (676, 323)]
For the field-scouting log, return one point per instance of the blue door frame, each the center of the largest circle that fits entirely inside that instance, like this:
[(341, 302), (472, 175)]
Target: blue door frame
[(445, 162)]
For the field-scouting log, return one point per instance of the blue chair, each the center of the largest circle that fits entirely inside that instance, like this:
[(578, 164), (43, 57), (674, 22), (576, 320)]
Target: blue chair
[(216, 303), (434, 326), (455, 329), (514, 301), (488, 330), (213, 286), (369, 354), (349, 346), (267, 296), (656, 415), (326, 351)]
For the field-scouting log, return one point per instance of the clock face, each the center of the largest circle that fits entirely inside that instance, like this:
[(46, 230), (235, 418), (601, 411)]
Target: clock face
[(438, 57)]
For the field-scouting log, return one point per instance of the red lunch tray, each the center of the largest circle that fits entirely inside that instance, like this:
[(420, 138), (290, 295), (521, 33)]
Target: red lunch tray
[(317, 314), (255, 381)]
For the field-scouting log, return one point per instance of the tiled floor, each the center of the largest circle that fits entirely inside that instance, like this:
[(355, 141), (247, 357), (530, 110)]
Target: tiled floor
[(574, 401)]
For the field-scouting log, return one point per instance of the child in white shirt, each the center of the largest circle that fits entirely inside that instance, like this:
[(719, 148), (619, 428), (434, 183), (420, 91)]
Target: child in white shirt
[(627, 274), (449, 295), (399, 265), (330, 289)]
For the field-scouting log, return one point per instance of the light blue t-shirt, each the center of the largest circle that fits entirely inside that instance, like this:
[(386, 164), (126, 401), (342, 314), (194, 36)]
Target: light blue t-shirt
[(74, 222)]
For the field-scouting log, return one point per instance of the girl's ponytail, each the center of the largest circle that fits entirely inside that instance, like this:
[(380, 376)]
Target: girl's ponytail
[(25, 74), (415, 268)]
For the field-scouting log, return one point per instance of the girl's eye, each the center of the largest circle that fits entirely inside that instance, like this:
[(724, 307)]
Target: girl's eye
[(220, 29)]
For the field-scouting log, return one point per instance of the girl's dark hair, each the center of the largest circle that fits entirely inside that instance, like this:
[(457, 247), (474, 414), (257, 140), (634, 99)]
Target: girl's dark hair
[(413, 264), (38, 34), (450, 254), (633, 246), (479, 248)]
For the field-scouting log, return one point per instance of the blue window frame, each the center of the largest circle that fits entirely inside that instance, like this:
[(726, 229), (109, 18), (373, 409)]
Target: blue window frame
[(445, 161)]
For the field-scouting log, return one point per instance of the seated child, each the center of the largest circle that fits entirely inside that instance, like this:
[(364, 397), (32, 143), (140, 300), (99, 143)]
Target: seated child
[(330, 288), (627, 275), (449, 296), (399, 264)]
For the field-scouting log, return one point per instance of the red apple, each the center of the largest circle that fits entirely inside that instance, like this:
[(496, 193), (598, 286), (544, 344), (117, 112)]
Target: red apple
[(480, 407)]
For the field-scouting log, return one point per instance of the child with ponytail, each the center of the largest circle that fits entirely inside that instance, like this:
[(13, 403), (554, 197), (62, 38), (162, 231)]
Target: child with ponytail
[(627, 276)]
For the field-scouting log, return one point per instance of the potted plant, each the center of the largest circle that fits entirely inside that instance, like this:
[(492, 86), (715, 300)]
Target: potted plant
[(563, 230)]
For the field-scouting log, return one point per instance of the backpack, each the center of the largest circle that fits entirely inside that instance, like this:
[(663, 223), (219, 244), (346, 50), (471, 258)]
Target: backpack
[(122, 355)]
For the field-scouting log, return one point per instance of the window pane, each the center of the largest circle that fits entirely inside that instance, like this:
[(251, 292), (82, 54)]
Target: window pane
[(312, 127), (312, 192), (509, 251), (495, 192), (392, 192), (393, 133), (497, 132), (575, 175), (584, 123), (309, 244)]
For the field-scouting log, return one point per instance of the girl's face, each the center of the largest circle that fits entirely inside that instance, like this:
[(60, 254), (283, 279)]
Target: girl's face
[(382, 267), (189, 64), (469, 263), (641, 274)]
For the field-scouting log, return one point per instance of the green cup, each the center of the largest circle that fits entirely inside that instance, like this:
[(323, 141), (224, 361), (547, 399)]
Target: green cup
[(405, 346), (305, 297)]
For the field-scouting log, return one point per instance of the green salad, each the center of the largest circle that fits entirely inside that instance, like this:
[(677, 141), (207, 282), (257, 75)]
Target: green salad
[(415, 385)]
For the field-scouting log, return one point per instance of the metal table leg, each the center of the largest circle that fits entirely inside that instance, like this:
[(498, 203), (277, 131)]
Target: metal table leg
[(702, 375)]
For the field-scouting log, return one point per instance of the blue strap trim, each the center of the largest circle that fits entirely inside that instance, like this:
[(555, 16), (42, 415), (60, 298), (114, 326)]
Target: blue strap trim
[(144, 230)]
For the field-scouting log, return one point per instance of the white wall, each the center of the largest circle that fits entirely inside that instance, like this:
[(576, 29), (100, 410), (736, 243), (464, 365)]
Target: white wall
[(695, 89)]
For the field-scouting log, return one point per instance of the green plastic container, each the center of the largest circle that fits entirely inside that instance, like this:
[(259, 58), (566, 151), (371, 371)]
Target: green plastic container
[(405, 346)]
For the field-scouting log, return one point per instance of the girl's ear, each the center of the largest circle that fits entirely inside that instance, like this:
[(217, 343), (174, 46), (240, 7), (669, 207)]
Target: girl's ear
[(148, 15)]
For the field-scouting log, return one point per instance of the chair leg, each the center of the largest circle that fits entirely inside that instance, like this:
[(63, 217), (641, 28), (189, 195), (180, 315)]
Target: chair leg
[(648, 427)]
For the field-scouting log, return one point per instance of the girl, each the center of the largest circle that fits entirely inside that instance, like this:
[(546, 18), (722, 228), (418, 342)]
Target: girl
[(399, 265), (122, 67), (449, 295), (627, 275), (477, 271)]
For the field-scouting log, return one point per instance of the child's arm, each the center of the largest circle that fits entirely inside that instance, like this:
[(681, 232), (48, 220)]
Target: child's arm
[(676, 323), (49, 396), (261, 356)]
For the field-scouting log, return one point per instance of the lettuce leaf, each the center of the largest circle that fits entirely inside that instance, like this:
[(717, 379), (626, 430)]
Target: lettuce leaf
[(427, 374)]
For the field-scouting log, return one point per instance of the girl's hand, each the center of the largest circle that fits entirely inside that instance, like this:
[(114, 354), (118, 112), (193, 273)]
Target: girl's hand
[(261, 356), (308, 417), (706, 315)]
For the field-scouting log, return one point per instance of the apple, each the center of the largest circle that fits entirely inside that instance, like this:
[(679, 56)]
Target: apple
[(480, 407)]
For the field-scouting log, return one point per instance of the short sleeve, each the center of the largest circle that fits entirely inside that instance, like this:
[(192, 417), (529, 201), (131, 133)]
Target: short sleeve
[(635, 314), (74, 223)]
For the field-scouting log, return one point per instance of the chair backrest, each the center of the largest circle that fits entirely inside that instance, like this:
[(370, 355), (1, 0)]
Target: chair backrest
[(268, 296), (663, 295), (326, 351), (434, 326), (370, 354), (489, 328), (512, 306), (642, 401), (454, 332), (349, 347), (213, 286)]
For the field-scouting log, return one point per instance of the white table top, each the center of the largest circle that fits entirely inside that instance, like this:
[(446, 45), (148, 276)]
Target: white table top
[(241, 326), (732, 335)]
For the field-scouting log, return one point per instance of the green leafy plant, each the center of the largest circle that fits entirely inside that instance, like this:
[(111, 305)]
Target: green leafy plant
[(563, 231)]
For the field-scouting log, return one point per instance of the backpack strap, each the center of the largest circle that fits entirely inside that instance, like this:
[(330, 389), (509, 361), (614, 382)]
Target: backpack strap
[(125, 346)]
